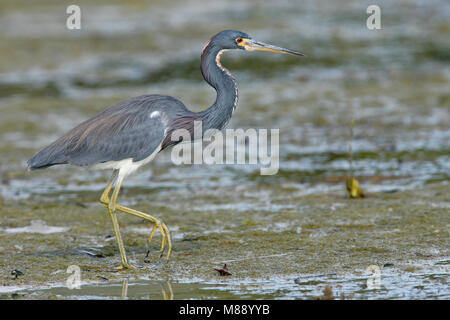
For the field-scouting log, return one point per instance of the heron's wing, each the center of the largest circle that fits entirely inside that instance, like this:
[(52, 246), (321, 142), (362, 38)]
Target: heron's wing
[(129, 135), (130, 129)]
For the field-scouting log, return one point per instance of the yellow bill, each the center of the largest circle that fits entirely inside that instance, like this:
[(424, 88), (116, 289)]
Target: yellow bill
[(250, 44)]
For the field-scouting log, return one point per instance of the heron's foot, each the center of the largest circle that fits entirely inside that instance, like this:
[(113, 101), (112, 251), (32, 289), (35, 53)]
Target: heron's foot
[(166, 242), (126, 266)]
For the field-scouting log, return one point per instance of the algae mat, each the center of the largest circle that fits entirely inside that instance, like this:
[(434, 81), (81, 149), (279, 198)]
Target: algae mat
[(313, 243)]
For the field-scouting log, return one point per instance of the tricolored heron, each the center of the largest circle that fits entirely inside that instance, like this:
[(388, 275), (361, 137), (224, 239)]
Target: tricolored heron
[(130, 133)]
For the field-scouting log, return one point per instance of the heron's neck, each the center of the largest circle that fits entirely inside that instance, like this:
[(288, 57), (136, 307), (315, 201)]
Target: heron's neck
[(218, 115)]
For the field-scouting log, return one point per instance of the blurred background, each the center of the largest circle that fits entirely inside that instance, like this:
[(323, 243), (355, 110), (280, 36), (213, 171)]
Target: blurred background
[(393, 83)]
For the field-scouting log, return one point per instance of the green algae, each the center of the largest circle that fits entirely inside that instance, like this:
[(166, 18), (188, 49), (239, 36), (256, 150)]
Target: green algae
[(337, 241)]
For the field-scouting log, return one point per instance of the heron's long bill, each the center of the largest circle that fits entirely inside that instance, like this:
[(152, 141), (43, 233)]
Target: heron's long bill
[(251, 44)]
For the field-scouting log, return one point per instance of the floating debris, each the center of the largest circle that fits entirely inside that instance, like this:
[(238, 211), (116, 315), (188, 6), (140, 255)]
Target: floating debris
[(16, 273), (353, 188), (189, 239), (92, 254), (103, 278), (352, 183), (223, 271), (146, 258), (327, 294)]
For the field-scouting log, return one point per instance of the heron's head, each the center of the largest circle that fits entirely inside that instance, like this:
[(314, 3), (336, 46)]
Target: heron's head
[(232, 39)]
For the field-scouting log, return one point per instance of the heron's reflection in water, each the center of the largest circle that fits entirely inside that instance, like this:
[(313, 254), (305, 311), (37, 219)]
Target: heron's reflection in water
[(166, 294), (124, 289)]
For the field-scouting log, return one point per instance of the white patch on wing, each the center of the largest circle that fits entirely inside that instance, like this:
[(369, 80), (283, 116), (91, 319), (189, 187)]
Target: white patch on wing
[(155, 114)]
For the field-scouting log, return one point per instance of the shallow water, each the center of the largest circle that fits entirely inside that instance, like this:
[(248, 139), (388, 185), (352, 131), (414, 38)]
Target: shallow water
[(393, 83), (389, 285)]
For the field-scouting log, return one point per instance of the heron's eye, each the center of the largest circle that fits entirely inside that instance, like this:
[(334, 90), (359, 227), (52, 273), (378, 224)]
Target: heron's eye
[(239, 40)]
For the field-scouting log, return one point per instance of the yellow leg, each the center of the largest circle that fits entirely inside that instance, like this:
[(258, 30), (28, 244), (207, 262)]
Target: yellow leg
[(104, 199), (111, 205)]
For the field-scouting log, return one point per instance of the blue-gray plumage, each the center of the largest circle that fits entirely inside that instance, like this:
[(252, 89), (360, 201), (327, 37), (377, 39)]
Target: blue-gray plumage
[(130, 133), (122, 131)]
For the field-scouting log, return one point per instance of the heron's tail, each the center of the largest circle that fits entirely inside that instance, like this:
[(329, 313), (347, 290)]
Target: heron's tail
[(45, 158)]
